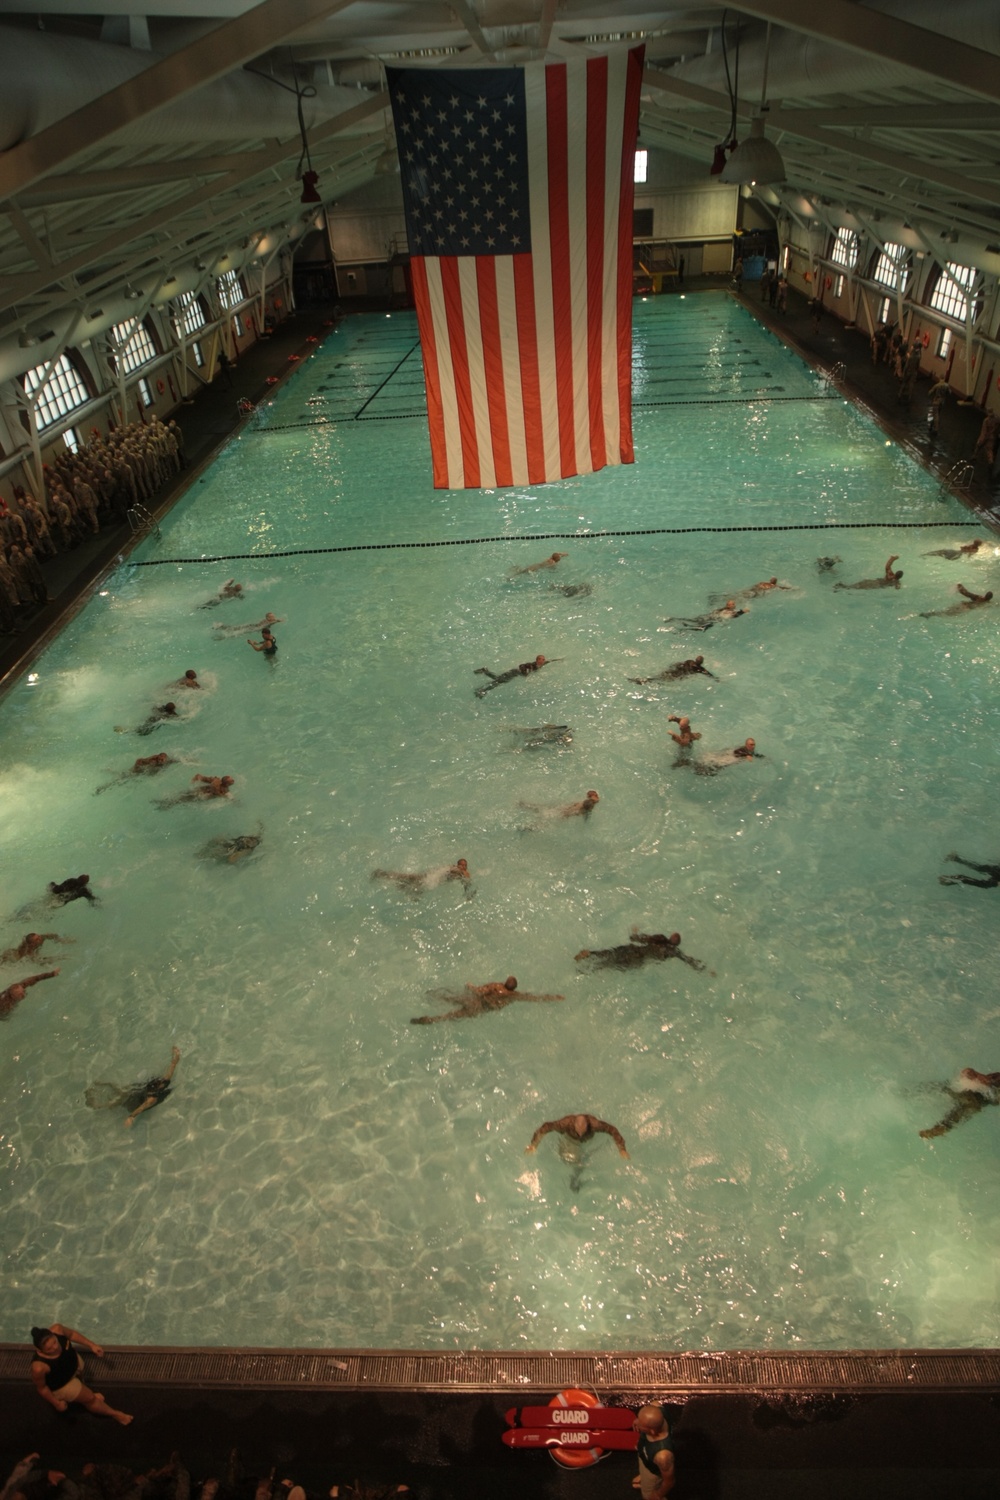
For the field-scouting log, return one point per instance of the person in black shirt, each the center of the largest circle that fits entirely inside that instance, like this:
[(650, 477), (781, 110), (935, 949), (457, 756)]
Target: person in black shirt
[(56, 1368)]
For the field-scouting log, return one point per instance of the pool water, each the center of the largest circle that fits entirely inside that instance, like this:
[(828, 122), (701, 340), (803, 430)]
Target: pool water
[(327, 1174)]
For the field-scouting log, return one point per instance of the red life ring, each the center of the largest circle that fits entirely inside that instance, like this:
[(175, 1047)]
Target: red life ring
[(576, 1458), (927, 339), (828, 283), (160, 387)]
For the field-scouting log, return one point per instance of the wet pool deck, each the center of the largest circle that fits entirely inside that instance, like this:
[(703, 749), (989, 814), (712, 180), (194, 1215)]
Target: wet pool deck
[(748, 1426)]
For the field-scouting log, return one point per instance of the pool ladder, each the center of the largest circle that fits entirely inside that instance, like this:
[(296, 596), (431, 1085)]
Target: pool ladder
[(838, 371), (140, 520), (960, 474)]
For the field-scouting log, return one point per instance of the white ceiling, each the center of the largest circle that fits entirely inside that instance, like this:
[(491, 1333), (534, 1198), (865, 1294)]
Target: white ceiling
[(123, 164)]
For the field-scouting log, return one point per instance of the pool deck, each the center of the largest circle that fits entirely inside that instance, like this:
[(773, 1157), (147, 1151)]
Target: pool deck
[(886, 1424)]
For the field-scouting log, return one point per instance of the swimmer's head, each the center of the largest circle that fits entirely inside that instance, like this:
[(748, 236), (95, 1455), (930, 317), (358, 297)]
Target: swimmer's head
[(510, 983), (674, 940), (539, 661), (17, 992), (190, 676), (698, 660), (83, 880), (898, 574), (266, 631), (271, 619), (45, 1341), (227, 780), (161, 759), (730, 603), (462, 864), (592, 797), (772, 580), (170, 708), (558, 556), (750, 745), (989, 595), (684, 723), (581, 1125)]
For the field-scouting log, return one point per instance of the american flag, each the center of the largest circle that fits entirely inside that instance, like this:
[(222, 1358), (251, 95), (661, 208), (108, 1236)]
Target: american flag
[(518, 187)]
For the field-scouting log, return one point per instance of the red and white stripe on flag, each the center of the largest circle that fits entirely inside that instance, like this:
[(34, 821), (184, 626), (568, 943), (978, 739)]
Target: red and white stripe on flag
[(528, 358)]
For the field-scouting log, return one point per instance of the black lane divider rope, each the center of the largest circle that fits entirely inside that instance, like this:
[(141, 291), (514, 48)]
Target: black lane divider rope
[(547, 536), (385, 382)]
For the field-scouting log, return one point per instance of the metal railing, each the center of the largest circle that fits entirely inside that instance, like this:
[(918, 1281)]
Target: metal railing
[(140, 520)]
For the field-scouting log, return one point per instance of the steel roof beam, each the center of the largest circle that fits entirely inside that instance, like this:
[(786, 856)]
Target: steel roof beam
[(170, 79)]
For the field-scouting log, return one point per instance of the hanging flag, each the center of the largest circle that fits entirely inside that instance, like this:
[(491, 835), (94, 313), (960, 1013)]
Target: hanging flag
[(518, 188)]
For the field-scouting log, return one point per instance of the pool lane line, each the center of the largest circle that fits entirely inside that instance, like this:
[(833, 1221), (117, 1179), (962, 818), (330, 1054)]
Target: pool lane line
[(548, 536), (385, 382)]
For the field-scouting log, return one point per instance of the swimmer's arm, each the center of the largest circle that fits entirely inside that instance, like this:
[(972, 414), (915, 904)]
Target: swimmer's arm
[(175, 1058), (693, 963), (615, 1135), (75, 1337), (255, 644), (542, 1130), (38, 1373), (36, 978), (146, 1104)]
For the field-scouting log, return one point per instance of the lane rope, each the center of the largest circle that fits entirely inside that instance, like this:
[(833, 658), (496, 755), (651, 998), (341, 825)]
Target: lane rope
[(548, 536)]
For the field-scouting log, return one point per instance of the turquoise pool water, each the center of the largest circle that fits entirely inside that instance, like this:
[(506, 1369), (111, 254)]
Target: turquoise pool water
[(327, 1174)]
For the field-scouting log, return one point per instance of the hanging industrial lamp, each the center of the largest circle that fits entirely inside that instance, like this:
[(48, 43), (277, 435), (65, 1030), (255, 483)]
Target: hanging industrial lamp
[(756, 160)]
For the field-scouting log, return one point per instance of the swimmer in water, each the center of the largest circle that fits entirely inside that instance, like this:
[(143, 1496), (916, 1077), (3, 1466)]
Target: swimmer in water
[(954, 553), (970, 601), (209, 788), (267, 643), (31, 946), (549, 562), (992, 873), (576, 1130), (229, 590), (728, 611), (427, 880), (146, 765), (497, 679), (572, 590), (156, 718), (268, 619), (189, 680), (542, 736), (14, 993), (713, 764), (889, 579), (74, 888), (753, 592), (641, 946), (581, 809), (688, 668), (231, 850), (138, 1097), (684, 739), (974, 1092), (827, 564), (477, 1000)]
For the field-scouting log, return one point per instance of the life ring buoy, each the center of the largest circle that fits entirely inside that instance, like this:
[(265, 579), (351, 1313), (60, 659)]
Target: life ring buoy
[(926, 339), (576, 1458), (160, 387), (828, 283)]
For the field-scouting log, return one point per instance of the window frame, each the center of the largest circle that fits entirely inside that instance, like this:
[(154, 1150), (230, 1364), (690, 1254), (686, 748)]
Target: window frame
[(640, 165), (893, 270), (198, 352), (145, 392), (950, 295), (845, 249), (944, 343), (184, 306), (63, 380), (224, 289), (122, 355)]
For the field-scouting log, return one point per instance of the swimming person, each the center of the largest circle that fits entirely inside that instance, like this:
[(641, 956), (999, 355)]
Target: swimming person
[(992, 872), (827, 564), (477, 999), (684, 740), (267, 643), (524, 670), (581, 809), (974, 1092), (954, 553), (31, 946), (753, 592), (640, 947), (146, 765), (231, 850), (711, 765), (889, 579), (165, 711), (542, 735), (189, 680), (56, 1368), (680, 669), (728, 611), (229, 590), (428, 880), (209, 788), (549, 562), (970, 601), (576, 1130), (74, 888), (269, 619), (572, 590), (138, 1097), (14, 993)]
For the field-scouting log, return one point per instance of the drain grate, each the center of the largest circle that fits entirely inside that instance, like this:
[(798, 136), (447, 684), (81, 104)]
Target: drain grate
[(630, 1377)]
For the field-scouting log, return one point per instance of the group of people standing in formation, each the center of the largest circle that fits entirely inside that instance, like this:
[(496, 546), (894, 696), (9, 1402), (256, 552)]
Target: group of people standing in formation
[(84, 490)]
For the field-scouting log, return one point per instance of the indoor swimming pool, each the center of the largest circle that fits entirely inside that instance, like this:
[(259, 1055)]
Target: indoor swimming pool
[(324, 1172)]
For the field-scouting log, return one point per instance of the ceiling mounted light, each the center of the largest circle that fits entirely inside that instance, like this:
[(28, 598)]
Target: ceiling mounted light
[(26, 340), (756, 160), (132, 294)]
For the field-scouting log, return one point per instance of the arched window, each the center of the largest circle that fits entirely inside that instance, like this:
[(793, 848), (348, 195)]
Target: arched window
[(188, 314), (891, 266), (133, 346), (844, 251), (63, 392), (231, 290), (953, 290)]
